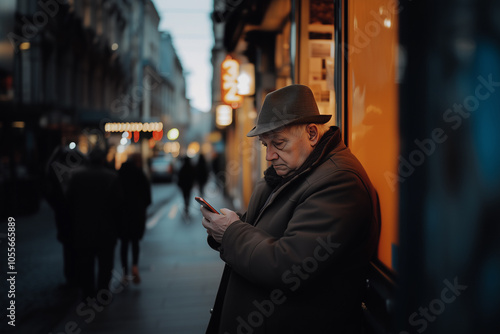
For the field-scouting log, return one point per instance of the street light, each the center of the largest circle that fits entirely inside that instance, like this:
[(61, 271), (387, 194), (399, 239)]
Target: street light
[(173, 134), (24, 46), (193, 149)]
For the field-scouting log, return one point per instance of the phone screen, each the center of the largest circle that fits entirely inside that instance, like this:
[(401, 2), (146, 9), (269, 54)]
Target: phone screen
[(205, 204)]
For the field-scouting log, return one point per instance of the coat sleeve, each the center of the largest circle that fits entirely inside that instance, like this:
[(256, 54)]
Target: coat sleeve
[(329, 223)]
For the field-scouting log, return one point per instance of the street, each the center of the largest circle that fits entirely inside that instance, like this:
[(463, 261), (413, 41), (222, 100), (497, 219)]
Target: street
[(179, 271)]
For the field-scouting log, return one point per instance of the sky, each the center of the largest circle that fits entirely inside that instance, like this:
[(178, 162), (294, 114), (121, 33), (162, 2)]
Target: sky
[(189, 23)]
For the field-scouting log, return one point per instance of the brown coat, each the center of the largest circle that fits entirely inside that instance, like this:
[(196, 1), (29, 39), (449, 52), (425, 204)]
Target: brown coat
[(296, 261)]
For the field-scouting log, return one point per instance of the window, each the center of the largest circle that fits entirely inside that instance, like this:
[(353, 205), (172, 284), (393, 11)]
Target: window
[(316, 52)]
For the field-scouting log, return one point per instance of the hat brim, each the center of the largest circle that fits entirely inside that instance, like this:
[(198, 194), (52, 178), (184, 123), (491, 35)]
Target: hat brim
[(263, 128)]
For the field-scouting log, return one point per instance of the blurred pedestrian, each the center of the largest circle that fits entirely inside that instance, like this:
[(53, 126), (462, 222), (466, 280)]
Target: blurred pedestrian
[(201, 172), (185, 181), (57, 174), (95, 204), (218, 169), (137, 190)]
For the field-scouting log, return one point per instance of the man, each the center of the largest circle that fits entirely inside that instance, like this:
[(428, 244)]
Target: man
[(57, 175), (132, 227), (296, 260), (94, 198)]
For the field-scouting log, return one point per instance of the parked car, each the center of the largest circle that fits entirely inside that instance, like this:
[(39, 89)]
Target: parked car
[(162, 168)]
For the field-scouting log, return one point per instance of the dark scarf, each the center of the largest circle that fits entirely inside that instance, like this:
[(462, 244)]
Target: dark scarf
[(327, 143)]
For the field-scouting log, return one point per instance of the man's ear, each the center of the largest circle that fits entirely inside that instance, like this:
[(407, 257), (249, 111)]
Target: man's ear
[(313, 134)]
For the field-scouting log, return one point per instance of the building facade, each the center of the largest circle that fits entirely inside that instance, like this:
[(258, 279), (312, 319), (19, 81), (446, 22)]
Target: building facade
[(64, 70), (287, 42), (68, 68), (176, 112)]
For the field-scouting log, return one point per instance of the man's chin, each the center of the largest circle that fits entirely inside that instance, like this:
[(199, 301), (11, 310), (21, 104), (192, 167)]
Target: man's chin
[(281, 170)]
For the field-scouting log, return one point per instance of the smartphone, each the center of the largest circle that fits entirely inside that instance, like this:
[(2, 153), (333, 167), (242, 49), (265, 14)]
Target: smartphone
[(205, 204)]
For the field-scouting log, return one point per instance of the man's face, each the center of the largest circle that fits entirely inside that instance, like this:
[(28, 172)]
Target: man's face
[(287, 149)]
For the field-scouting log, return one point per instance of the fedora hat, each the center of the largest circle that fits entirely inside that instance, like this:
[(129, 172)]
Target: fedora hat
[(288, 105)]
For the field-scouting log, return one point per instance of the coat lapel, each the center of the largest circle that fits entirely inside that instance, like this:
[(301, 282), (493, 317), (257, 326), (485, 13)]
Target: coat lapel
[(330, 147)]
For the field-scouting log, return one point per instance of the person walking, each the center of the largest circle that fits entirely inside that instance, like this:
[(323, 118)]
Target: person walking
[(57, 175), (201, 172), (296, 260), (185, 181), (137, 191), (95, 206)]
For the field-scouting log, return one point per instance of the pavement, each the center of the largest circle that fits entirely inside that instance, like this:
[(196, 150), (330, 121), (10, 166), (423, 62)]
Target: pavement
[(179, 276)]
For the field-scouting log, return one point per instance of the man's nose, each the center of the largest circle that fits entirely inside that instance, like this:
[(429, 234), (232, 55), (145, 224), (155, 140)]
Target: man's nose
[(271, 154)]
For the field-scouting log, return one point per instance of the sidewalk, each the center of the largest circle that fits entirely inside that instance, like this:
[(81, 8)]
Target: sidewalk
[(180, 275), (40, 295)]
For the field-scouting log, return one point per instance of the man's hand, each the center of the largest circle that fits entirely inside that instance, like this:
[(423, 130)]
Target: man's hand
[(217, 224)]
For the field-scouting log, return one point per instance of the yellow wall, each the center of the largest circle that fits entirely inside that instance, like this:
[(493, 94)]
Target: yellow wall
[(373, 105), (246, 123)]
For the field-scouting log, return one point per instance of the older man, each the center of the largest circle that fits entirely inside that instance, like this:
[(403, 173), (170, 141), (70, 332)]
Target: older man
[(296, 260)]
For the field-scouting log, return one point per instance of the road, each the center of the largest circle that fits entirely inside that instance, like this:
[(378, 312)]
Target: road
[(179, 272)]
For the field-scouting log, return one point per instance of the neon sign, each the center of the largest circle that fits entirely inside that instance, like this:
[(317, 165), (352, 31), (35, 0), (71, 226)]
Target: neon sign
[(229, 74)]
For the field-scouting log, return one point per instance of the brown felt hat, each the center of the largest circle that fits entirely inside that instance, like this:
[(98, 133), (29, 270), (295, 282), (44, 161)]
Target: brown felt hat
[(288, 105)]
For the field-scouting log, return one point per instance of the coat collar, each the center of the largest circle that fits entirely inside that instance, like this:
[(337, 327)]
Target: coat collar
[(327, 146), (328, 142)]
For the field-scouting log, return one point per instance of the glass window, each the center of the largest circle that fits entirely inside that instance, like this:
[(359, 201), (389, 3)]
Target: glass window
[(316, 52)]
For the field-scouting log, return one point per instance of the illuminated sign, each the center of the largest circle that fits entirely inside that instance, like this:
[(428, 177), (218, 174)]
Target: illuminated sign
[(133, 127), (229, 75), (246, 80), (223, 115)]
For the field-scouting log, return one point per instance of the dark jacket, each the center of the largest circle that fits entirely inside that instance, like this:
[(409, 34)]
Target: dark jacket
[(95, 200), (201, 171), (57, 175), (296, 261), (137, 190), (186, 176)]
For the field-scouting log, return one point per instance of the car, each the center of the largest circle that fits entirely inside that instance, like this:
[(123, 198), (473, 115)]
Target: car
[(162, 168)]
